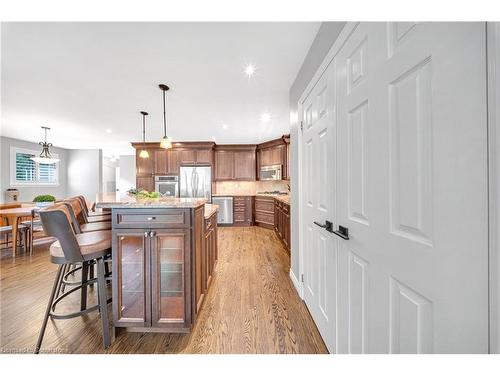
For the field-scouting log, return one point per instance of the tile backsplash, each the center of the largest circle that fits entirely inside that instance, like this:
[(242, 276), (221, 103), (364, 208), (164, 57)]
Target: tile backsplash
[(249, 187)]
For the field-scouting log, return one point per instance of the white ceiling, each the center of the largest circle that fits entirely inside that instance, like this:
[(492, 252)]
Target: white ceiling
[(83, 78)]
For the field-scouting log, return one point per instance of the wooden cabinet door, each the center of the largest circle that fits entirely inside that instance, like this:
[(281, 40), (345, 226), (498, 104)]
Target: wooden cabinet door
[(161, 161), (224, 165), (187, 157), (131, 298), (144, 166), (174, 161), (145, 183), (266, 157), (277, 155), (170, 278), (204, 156), (244, 165)]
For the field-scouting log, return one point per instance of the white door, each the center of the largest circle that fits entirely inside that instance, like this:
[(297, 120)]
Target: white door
[(318, 170), (411, 189)]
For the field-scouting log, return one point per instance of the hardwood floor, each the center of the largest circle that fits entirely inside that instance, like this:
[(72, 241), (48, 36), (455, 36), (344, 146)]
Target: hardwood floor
[(252, 307)]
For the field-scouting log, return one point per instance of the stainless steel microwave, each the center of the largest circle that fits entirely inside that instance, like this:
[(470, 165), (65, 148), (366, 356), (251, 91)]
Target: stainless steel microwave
[(270, 172)]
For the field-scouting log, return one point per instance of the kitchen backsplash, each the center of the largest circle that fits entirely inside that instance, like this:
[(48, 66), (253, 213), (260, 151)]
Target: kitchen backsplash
[(249, 187)]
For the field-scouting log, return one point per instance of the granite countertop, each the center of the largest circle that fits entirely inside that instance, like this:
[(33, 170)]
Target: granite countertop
[(116, 200), (210, 209), (279, 197), (285, 198)]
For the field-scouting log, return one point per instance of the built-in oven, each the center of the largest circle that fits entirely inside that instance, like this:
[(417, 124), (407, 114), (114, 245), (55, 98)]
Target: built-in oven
[(167, 186), (270, 172)]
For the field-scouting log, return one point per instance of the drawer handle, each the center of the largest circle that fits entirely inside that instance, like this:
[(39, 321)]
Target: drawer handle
[(151, 218)]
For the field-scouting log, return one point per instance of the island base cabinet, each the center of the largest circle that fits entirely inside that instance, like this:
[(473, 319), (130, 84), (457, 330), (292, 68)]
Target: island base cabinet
[(131, 301), (170, 279), (151, 275)]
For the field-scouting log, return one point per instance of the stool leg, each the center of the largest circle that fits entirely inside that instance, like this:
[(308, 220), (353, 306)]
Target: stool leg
[(103, 304), (62, 286), (49, 305), (85, 275), (31, 236), (91, 272)]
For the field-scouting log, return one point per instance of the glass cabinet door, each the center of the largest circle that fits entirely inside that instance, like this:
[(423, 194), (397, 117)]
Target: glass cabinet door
[(169, 278), (131, 288)]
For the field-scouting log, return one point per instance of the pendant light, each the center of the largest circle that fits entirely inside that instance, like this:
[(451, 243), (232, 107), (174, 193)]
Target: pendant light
[(45, 157), (144, 153), (165, 141)]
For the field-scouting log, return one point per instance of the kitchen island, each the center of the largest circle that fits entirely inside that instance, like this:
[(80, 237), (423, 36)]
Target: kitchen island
[(161, 263)]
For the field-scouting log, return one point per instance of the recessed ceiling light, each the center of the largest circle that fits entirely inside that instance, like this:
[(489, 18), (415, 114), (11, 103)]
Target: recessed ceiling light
[(265, 117), (109, 131), (224, 126), (250, 70)]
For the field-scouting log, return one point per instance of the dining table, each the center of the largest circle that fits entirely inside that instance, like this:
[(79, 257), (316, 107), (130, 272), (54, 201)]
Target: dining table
[(13, 216)]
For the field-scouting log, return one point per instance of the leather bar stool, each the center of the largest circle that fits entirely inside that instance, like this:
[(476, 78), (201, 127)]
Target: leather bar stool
[(92, 216), (71, 248), (85, 227)]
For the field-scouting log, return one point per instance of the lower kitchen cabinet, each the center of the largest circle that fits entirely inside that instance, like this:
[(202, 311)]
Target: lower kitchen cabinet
[(154, 252), (210, 248), (243, 210), (264, 211), (153, 274), (282, 222)]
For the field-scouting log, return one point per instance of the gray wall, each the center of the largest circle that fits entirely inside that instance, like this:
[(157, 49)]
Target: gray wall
[(126, 179), (327, 34), (84, 173), (27, 193)]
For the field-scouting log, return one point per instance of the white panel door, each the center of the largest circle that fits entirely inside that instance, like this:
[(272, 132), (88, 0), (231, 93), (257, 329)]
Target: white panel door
[(318, 170), (411, 189)]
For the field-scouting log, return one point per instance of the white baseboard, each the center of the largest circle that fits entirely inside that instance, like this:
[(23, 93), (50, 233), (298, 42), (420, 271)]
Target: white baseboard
[(296, 283)]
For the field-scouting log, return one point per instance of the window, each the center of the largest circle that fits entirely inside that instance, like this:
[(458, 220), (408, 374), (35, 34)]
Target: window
[(25, 171)]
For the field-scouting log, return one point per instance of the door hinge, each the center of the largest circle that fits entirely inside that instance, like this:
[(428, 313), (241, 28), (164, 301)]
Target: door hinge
[(302, 277), (301, 126)]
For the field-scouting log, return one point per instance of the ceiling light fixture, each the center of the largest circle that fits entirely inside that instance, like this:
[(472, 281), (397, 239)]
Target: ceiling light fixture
[(265, 117), (45, 157), (109, 131), (224, 126), (144, 153), (250, 70), (165, 141)]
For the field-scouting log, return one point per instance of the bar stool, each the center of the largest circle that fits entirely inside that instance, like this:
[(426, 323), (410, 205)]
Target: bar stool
[(71, 248), (75, 210), (92, 217)]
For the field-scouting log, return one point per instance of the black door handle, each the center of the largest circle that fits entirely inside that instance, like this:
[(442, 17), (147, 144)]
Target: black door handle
[(328, 225), (343, 232)]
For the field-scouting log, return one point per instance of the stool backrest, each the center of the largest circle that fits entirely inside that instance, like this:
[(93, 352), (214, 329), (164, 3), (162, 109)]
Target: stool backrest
[(56, 223)]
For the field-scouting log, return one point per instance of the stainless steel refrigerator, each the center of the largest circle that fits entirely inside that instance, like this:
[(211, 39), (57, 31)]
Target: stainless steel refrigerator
[(196, 182)]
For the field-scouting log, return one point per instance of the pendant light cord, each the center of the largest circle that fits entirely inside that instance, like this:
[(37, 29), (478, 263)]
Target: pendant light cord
[(143, 128), (164, 114)]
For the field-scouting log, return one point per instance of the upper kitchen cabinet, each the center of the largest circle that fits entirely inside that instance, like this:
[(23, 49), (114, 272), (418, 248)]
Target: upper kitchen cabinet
[(274, 152), (235, 162), (161, 161), (144, 166)]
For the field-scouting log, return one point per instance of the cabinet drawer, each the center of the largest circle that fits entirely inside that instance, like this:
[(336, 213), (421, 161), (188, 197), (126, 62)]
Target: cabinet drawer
[(239, 217), (265, 206), (239, 209), (266, 218), (241, 200), (159, 218)]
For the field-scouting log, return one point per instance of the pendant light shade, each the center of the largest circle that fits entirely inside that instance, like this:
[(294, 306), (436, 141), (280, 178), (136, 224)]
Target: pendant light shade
[(165, 141), (144, 153), (45, 157)]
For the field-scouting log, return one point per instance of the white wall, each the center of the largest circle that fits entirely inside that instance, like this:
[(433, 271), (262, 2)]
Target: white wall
[(327, 34), (126, 178), (84, 173), (27, 193)]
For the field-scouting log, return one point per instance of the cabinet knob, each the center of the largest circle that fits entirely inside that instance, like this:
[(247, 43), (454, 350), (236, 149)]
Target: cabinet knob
[(146, 234), (152, 233), (151, 218)]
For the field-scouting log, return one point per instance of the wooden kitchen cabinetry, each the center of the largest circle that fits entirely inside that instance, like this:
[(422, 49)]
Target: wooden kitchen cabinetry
[(282, 222), (152, 277), (211, 250), (243, 211), (235, 162), (264, 211), (275, 152)]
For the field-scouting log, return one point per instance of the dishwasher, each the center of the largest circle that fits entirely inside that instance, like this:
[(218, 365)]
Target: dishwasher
[(225, 215)]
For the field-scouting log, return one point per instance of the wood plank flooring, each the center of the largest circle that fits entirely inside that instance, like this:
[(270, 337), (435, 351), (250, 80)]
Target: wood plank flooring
[(251, 307)]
